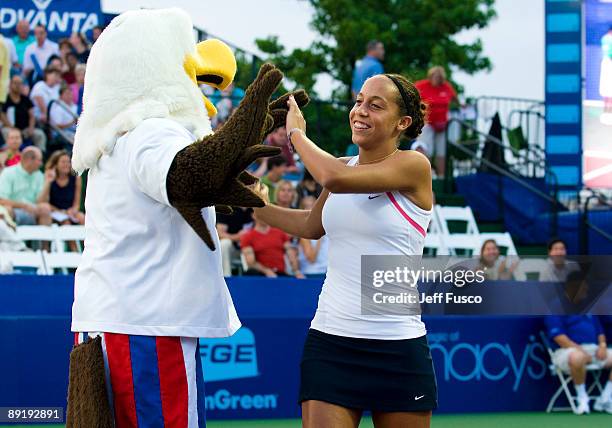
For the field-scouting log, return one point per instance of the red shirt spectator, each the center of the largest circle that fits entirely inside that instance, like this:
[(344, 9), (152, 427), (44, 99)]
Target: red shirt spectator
[(268, 244), (438, 98)]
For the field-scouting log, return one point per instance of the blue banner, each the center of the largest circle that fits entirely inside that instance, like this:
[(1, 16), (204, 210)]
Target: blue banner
[(482, 364), (61, 17)]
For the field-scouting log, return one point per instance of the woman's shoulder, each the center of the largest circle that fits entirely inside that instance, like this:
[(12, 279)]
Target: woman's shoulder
[(415, 158)]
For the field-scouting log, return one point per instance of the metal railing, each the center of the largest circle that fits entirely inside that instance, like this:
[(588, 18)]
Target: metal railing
[(527, 113), (586, 225), (471, 150)]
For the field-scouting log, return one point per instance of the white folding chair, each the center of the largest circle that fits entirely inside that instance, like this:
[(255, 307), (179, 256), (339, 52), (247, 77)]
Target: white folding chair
[(565, 379), (38, 234), (503, 240), (462, 214), (62, 261), (70, 233), (23, 261), (462, 244), (434, 245)]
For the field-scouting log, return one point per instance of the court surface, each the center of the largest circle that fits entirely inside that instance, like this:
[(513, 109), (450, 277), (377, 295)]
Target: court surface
[(480, 420)]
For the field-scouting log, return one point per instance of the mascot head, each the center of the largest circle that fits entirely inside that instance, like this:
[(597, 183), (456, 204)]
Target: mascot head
[(146, 64)]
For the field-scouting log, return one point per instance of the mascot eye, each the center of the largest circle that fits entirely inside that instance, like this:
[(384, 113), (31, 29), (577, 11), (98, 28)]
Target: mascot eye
[(209, 79)]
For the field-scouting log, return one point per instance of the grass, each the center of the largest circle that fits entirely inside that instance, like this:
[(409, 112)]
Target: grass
[(480, 420)]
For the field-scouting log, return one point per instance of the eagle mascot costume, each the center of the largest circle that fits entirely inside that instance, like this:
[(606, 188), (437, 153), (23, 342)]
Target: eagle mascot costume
[(150, 282)]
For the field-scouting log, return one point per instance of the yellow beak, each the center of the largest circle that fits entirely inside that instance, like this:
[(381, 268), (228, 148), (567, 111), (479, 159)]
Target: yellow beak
[(213, 64)]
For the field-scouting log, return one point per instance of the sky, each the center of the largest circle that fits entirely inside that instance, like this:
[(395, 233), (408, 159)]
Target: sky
[(514, 41)]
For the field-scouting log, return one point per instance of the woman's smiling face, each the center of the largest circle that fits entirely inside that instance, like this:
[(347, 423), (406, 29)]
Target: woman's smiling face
[(375, 116)]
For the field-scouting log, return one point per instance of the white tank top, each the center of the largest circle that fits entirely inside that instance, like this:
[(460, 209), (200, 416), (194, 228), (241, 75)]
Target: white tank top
[(366, 224)]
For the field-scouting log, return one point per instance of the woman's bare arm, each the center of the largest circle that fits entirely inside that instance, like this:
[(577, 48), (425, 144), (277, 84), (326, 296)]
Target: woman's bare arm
[(300, 223)]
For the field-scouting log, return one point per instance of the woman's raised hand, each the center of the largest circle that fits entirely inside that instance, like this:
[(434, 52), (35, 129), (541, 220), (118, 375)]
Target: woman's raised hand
[(295, 119)]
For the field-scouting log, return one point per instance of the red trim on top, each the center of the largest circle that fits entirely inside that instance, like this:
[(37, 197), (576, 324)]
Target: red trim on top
[(76, 339), (120, 365), (172, 382), (405, 215)]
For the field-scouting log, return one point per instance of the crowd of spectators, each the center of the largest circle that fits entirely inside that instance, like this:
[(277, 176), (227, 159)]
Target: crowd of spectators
[(41, 91)]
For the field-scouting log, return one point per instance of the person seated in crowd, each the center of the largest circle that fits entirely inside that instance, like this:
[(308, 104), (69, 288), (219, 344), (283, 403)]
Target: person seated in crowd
[(22, 40), (11, 154), (64, 49), (264, 249), (70, 63), (57, 63), (226, 102), (284, 194), (63, 114), (18, 112), (5, 70), (230, 228), (278, 138), (492, 264), (557, 267), (62, 190), (581, 341), (20, 186), (78, 85), (95, 33), (277, 166), (37, 54), (44, 92), (308, 187), (80, 46), (312, 252)]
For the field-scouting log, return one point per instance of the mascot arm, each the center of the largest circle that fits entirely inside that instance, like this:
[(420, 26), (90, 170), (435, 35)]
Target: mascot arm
[(212, 171)]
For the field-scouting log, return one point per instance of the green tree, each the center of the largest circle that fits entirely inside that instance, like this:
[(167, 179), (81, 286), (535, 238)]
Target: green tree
[(416, 33)]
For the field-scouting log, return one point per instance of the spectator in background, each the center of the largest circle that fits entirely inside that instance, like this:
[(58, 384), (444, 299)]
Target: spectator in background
[(18, 112), (20, 186), (44, 92), (231, 227), (494, 266), (370, 65), (37, 55), (285, 195), (56, 62), (264, 248), (63, 114), (437, 93), (312, 252), (5, 70), (557, 268), (64, 49), (278, 138), (77, 87), (80, 46), (22, 40), (226, 102), (11, 155), (581, 341), (10, 46), (277, 166), (70, 64), (95, 33), (308, 187), (62, 190)]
